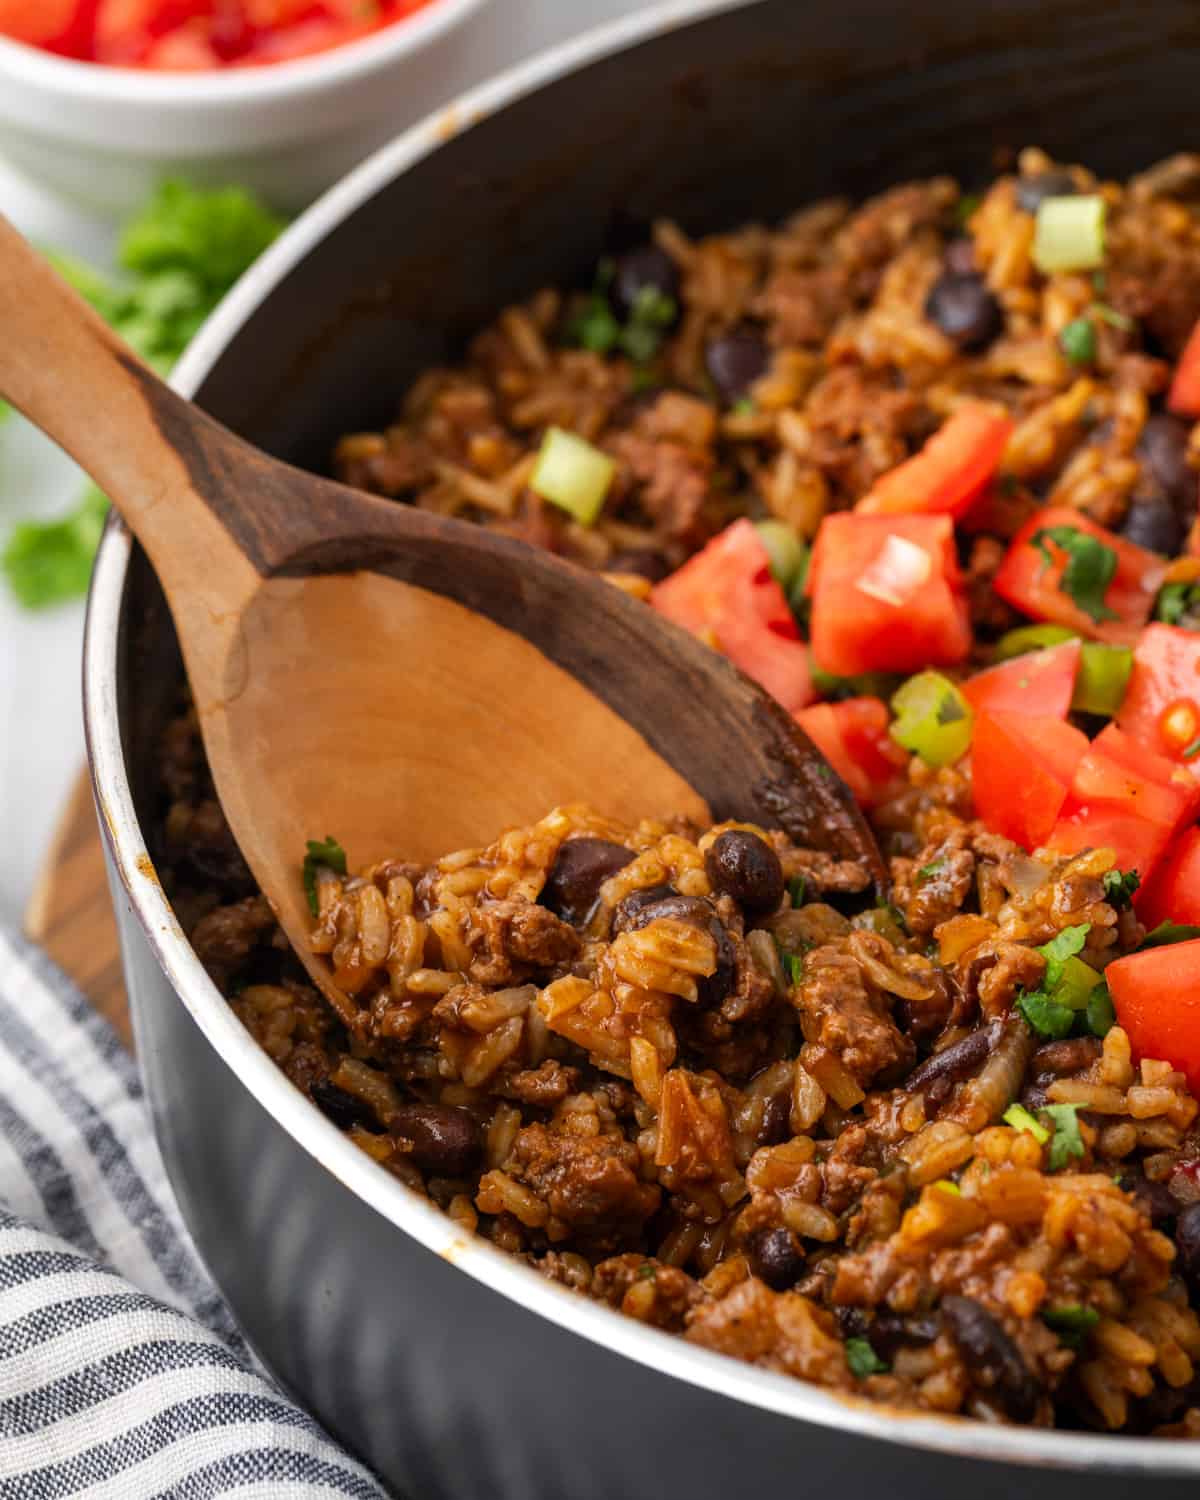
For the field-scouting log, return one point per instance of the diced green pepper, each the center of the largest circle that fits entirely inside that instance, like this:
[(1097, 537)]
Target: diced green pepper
[(787, 552), (1102, 678), (1101, 1014), (933, 719), (1076, 981), (573, 475), (1069, 234), (866, 685), (1030, 638)]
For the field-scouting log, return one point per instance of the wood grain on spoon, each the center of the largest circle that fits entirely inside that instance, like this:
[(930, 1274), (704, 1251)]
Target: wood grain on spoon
[(403, 681)]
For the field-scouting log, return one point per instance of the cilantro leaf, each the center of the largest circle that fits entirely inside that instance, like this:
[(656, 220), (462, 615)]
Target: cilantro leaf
[(797, 889), (1066, 945), (327, 852), (1045, 1016), (794, 964), (1179, 604), (1071, 1322), (1066, 1142), (927, 872), (1078, 341), (863, 1360), (1119, 886), (50, 562), (1101, 1015), (1091, 567), (1169, 932)]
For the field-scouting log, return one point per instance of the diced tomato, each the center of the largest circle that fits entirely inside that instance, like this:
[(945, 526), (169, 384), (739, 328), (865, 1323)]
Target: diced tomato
[(1161, 707), (950, 471), (1125, 798), (1173, 893), (1156, 995), (1040, 683), (728, 596), (1031, 584), (1022, 768), (1184, 396), (887, 595), (42, 23), (853, 736)]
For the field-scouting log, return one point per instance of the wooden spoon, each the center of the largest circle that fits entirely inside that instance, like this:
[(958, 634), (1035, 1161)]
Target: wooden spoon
[(407, 683)]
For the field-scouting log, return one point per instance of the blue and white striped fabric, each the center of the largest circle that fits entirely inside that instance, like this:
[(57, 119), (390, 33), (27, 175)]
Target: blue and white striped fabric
[(122, 1374)]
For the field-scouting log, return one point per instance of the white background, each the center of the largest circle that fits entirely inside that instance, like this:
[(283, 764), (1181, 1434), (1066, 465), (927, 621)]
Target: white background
[(41, 737)]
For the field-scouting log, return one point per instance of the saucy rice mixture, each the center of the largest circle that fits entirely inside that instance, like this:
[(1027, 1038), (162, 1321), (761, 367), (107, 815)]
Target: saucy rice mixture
[(926, 468)]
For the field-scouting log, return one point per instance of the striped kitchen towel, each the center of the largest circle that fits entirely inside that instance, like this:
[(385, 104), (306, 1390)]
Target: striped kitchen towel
[(122, 1374)]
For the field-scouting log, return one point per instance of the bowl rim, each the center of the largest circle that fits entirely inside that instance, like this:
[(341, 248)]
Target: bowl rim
[(413, 1215), (100, 84)]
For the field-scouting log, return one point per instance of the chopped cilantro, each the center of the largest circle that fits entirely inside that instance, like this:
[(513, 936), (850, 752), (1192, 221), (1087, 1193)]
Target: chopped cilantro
[(1119, 886), (648, 1272), (597, 328), (1179, 604), (797, 889), (1019, 1118), (744, 407), (863, 1360), (794, 964), (1066, 1142), (327, 852), (966, 206), (1066, 945), (1191, 750), (594, 327), (1169, 932), (1091, 567), (1100, 1015), (927, 872), (1078, 341), (1071, 1322), (1045, 1016), (1112, 317)]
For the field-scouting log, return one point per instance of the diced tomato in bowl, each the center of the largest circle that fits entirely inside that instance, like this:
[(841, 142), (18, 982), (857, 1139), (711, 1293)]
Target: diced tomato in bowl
[(951, 470), (1156, 995), (728, 597), (1161, 707), (1039, 683), (853, 736), (887, 594), (1173, 893), (1064, 568), (1022, 769)]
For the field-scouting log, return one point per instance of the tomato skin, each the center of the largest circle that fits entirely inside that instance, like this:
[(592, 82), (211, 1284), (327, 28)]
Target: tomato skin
[(728, 596), (1040, 683), (853, 631), (1173, 893), (1166, 671), (1125, 798), (853, 737), (1156, 995), (1184, 396), (41, 23), (951, 470), (1029, 583), (1022, 768)]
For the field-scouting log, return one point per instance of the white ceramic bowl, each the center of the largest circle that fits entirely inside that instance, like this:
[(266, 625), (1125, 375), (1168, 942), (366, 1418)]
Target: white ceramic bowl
[(104, 136)]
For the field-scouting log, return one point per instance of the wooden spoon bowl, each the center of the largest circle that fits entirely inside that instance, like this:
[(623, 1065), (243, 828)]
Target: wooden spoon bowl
[(405, 682)]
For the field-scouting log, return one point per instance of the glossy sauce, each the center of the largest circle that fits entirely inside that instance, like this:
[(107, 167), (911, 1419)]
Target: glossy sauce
[(196, 35)]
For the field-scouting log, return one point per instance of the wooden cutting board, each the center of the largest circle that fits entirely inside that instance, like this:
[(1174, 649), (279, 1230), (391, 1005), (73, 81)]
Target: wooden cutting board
[(70, 913)]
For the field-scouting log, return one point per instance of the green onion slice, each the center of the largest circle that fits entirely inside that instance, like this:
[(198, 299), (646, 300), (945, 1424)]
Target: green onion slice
[(933, 719), (787, 552), (1030, 638), (1019, 1118), (1069, 234), (573, 475)]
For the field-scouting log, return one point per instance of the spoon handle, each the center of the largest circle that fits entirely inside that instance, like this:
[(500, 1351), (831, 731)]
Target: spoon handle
[(65, 369)]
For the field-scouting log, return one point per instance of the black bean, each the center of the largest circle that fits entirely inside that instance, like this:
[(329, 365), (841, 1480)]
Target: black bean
[(775, 1258), (1162, 448), (735, 360), (959, 255), (890, 1333), (1155, 1199), (628, 917), (627, 909), (991, 1356), (441, 1138), (580, 868), (743, 866), (342, 1108), (1057, 183), (1154, 523), (776, 1121), (1187, 1241), (960, 304), (953, 1062), (638, 269), (642, 561)]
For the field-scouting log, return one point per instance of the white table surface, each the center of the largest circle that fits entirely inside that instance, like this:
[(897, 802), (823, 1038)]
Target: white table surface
[(41, 736)]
